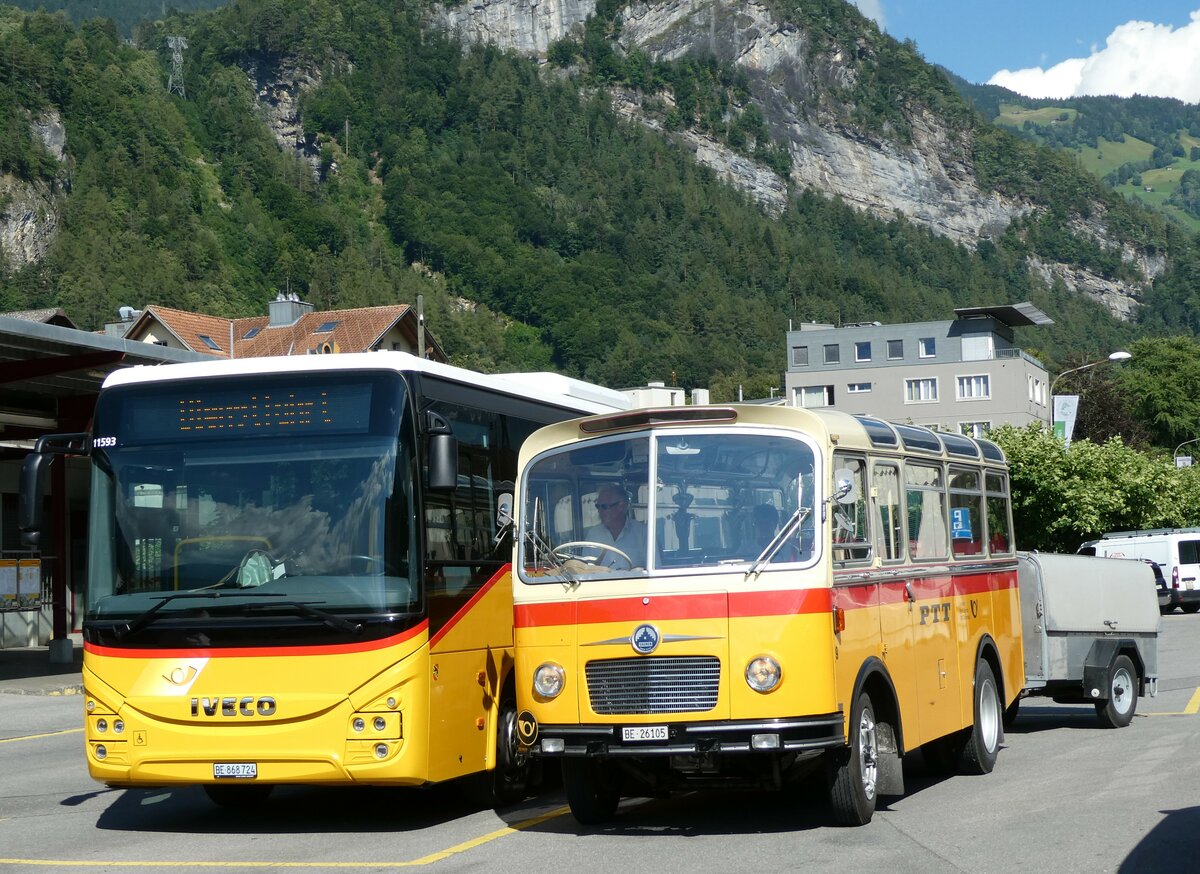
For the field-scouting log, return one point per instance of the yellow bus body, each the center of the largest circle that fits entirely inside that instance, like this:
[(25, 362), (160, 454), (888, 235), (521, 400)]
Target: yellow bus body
[(291, 711), (912, 631)]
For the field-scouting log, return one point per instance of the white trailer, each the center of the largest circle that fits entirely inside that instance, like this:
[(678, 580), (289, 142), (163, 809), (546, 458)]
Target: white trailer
[(1090, 632)]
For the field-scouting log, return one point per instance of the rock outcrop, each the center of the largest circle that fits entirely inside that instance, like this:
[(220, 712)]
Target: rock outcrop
[(29, 210), (930, 179), (277, 89)]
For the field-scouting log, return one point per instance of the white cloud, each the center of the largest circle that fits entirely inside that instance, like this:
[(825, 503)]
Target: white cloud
[(1139, 57), (873, 9)]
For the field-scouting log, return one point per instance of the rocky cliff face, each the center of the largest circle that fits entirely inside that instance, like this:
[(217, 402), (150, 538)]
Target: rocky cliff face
[(931, 180), (277, 88), (29, 214)]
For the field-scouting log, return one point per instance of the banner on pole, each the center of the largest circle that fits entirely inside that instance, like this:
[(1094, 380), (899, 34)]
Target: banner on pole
[(1065, 409)]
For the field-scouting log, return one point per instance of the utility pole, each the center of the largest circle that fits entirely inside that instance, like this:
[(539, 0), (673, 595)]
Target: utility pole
[(175, 83)]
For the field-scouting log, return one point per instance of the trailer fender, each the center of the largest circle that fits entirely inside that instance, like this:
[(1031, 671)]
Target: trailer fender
[(1097, 667)]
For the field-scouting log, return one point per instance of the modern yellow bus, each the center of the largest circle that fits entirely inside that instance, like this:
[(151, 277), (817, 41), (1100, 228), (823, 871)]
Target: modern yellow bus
[(735, 596), (294, 573)]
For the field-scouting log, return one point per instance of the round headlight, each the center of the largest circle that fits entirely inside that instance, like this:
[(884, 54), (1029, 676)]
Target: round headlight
[(380, 723), (548, 680), (763, 674), (102, 725), (358, 724), (118, 725), (101, 751)]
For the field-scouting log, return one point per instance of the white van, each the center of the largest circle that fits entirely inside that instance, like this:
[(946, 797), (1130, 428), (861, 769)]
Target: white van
[(1175, 550)]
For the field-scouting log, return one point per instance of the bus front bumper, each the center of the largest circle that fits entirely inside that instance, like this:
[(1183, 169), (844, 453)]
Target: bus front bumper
[(799, 734)]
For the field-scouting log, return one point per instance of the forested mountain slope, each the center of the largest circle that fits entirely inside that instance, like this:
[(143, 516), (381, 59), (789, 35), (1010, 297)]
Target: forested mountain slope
[(543, 224)]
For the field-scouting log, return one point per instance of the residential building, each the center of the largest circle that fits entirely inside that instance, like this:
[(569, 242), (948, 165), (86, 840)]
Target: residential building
[(964, 374), (291, 327)]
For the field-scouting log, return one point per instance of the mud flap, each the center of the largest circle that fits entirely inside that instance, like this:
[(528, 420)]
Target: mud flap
[(1097, 667), (890, 780)]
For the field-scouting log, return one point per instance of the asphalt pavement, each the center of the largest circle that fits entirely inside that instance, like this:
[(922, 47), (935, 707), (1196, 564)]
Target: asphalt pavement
[(28, 671)]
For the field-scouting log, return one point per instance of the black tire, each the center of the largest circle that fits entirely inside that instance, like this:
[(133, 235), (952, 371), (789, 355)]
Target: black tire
[(1166, 610), (593, 790), (238, 796), (983, 738), (1011, 712), (1118, 710), (510, 779), (1189, 608), (854, 775)]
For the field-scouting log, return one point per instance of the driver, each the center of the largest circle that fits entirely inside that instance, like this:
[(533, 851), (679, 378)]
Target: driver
[(617, 529)]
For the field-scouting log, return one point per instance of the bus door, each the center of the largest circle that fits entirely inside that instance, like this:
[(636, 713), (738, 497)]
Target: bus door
[(935, 613), (896, 606)]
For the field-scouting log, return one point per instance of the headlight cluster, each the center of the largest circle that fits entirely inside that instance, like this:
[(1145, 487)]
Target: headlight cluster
[(763, 673), (548, 680)]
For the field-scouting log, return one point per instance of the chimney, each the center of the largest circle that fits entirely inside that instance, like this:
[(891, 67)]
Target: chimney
[(286, 309)]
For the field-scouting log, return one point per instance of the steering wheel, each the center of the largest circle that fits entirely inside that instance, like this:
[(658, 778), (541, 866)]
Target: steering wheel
[(603, 547), (371, 565)]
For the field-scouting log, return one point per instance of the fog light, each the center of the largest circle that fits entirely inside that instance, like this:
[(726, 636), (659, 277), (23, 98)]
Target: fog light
[(381, 751), (101, 752), (548, 680), (764, 741), (763, 674), (380, 723), (118, 726), (91, 705), (358, 724), (391, 703), (102, 725), (553, 744)]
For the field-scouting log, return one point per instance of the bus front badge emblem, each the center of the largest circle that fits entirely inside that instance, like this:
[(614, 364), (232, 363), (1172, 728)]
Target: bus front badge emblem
[(644, 639)]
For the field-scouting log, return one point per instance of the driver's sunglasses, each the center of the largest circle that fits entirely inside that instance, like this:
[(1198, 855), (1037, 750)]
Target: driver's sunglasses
[(600, 505)]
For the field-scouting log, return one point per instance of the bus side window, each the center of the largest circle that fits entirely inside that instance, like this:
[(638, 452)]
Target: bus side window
[(886, 481), (851, 533)]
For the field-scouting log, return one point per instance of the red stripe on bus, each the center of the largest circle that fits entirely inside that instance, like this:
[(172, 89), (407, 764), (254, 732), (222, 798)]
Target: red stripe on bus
[(715, 605), (257, 651), (467, 607)]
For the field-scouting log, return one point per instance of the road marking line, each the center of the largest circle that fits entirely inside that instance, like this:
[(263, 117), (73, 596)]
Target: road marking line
[(9, 740), (1193, 705), (424, 860)]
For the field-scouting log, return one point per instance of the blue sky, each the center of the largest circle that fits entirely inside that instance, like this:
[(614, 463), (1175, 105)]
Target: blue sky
[(1059, 46)]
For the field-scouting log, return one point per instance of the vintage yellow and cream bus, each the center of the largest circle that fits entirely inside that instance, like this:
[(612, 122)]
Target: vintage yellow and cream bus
[(735, 596), (294, 571)]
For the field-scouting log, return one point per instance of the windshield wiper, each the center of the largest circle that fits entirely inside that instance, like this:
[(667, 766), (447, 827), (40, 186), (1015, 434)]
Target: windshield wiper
[(145, 618), (305, 608), (778, 540)]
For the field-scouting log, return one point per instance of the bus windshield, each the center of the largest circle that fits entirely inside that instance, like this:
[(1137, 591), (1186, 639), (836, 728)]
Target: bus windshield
[(252, 504), (719, 500)]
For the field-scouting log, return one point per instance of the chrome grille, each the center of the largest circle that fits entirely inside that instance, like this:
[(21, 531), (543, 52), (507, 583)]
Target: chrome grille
[(660, 684)]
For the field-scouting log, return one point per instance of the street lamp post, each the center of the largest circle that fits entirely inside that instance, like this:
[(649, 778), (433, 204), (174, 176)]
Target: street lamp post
[(1175, 454), (1069, 406), (1119, 355)]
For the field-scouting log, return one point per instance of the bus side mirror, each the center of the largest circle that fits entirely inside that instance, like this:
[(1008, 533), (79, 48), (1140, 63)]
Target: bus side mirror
[(443, 454), (844, 490), (29, 505), (504, 506), (33, 478)]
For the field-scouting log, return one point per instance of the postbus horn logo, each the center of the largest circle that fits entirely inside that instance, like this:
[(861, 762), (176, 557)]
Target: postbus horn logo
[(645, 639)]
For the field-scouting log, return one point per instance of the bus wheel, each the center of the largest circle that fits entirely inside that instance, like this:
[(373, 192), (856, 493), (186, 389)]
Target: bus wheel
[(592, 790), (239, 796), (510, 779), (1118, 710), (855, 775), (983, 738)]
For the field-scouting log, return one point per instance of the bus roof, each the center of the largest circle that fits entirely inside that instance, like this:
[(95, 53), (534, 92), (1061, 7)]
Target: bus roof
[(549, 387), (844, 430)]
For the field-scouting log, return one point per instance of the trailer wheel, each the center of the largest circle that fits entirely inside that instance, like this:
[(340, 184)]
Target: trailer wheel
[(593, 790), (1118, 710), (983, 738), (855, 774)]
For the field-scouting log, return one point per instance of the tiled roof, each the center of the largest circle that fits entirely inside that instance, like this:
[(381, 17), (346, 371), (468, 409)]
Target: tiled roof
[(52, 316), (356, 330), (190, 327)]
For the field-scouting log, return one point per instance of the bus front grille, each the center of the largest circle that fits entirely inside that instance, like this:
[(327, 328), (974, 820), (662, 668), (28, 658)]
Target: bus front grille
[(661, 684)]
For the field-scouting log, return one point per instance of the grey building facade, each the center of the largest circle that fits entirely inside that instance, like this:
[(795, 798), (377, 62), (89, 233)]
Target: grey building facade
[(964, 374)]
